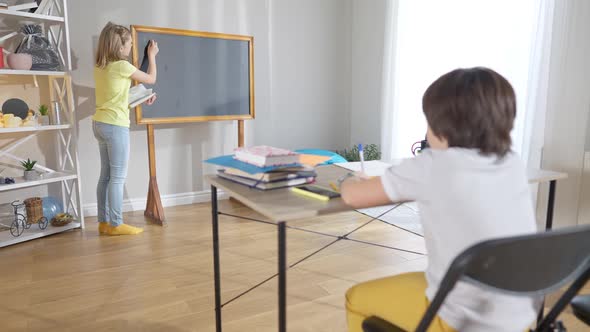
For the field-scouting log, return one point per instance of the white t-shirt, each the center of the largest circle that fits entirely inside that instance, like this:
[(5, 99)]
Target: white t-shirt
[(465, 198)]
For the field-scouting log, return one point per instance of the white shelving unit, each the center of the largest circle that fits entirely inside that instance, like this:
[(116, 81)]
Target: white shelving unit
[(31, 72), (28, 129), (46, 178), (55, 22), (34, 233), (31, 16)]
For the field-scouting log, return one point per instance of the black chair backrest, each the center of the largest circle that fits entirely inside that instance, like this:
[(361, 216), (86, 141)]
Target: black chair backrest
[(528, 265), (523, 265)]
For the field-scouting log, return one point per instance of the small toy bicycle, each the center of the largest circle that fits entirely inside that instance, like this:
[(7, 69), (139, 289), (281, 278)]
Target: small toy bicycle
[(20, 222)]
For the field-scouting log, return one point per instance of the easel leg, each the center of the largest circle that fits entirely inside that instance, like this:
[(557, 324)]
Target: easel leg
[(240, 143), (153, 208), (240, 133)]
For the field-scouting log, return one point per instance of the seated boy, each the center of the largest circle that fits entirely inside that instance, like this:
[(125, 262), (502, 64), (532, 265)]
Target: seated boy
[(469, 187)]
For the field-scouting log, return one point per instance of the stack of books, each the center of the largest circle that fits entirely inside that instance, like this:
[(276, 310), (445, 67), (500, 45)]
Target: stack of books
[(264, 167)]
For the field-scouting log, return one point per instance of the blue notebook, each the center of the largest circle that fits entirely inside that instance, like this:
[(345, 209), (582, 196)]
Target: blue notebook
[(229, 161)]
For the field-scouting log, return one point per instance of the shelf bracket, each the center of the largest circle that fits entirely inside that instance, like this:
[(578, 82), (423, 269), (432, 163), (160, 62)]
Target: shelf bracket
[(8, 36), (6, 152)]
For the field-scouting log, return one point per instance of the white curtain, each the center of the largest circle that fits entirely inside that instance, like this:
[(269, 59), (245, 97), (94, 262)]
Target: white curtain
[(427, 38), (534, 123)]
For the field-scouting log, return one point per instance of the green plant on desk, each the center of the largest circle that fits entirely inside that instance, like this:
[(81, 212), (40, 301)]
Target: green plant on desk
[(372, 152)]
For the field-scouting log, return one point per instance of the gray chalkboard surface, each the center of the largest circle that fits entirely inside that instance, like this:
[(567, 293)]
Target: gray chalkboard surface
[(202, 76)]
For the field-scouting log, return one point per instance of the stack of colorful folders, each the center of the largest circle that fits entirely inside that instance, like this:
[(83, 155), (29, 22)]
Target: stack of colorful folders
[(264, 168)]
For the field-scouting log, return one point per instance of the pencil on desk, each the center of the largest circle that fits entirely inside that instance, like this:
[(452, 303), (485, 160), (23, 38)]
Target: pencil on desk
[(334, 187), (362, 158), (310, 194)]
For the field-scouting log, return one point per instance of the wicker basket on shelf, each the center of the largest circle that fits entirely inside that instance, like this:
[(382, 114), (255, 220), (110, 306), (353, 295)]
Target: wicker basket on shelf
[(34, 207), (62, 219)]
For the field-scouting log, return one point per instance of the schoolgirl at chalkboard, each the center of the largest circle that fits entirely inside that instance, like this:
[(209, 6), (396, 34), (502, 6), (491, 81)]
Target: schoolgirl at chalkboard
[(113, 75)]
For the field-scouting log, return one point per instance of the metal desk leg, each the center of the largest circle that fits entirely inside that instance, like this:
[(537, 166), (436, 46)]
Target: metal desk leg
[(550, 204), (548, 226), (282, 277), (215, 224)]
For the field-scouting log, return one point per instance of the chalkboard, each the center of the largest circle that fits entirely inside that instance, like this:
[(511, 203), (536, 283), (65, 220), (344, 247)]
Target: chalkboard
[(202, 76)]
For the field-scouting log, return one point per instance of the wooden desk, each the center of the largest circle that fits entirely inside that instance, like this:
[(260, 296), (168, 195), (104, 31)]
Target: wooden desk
[(540, 176), (282, 205)]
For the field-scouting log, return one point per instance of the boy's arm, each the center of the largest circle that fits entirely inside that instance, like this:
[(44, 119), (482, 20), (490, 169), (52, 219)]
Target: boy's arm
[(362, 193), (401, 183)]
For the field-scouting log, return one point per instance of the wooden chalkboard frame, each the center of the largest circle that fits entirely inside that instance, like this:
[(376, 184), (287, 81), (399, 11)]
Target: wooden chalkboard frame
[(136, 58)]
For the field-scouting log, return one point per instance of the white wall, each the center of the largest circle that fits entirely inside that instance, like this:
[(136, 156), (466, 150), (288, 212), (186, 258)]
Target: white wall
[(568, 105), (302, 86), (584, 206), (368, 30), (310, 74)]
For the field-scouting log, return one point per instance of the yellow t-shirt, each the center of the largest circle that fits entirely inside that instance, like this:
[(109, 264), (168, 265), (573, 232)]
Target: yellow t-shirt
[(112, 93)]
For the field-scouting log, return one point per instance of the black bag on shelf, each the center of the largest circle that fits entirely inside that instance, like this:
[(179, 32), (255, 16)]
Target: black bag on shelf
[(44, 55)]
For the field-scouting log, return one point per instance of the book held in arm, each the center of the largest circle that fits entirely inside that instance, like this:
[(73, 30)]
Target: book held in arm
[(139, 94)]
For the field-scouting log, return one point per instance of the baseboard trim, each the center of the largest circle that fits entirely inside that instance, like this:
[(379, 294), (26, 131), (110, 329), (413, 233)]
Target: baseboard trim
[(138, 204)]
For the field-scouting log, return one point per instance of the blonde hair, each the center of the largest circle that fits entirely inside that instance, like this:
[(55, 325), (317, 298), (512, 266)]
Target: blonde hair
[(111, 39)]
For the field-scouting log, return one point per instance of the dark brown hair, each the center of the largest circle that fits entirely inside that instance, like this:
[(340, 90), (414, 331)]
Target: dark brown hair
[(472, 108)]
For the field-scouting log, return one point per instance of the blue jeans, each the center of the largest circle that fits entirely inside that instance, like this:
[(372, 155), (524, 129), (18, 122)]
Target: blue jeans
[(113, 144)]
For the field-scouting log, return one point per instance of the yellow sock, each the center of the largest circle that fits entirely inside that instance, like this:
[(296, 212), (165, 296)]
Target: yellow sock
[(124, 229), (103, 228)]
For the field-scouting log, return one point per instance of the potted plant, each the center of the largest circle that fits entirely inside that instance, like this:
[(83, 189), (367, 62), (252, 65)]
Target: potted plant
[(30, 173), (371, 152), (44, 112)]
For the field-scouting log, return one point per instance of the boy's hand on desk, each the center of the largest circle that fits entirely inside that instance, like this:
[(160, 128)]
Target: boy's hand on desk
[(363, 191), (361, 176), (355, 177), (351, 178)]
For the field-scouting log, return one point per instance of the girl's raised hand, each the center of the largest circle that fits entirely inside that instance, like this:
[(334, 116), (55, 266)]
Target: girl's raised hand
[(153, 48)]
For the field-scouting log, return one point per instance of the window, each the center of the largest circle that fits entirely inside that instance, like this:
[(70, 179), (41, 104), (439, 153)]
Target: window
[(434, 37)]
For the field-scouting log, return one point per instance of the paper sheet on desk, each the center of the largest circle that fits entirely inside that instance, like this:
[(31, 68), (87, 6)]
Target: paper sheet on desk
[(372, 168), (312, 160)]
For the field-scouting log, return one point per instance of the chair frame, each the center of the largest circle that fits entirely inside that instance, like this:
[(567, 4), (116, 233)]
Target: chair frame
[(461, 270)]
